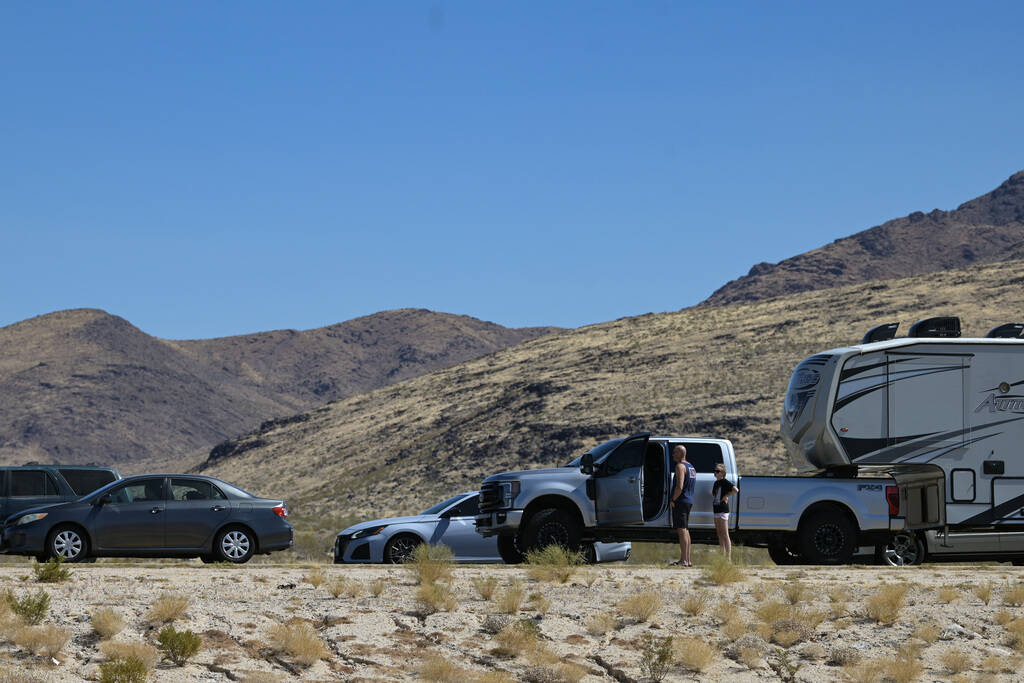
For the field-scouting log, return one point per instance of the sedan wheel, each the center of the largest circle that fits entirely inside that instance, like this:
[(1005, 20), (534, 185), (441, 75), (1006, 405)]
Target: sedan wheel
[(234, 545), (400, 548), (68, 544)]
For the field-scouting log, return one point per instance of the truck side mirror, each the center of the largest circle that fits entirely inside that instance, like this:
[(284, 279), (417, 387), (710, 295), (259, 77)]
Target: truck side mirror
[(587, 463)]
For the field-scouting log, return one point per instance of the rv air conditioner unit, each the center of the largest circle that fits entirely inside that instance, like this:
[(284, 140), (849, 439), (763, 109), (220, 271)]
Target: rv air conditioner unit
[(935, 327), (880, 333), (1007, 331)]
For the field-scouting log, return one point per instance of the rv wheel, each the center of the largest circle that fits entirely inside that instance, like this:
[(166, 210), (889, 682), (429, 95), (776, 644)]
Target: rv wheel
[(904, 550), (827, 536)]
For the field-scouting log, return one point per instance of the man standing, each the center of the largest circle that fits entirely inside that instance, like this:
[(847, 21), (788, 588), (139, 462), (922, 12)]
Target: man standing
[(682, 500)]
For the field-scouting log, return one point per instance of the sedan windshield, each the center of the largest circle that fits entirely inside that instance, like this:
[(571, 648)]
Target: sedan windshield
[(598, 452), (442, 505)]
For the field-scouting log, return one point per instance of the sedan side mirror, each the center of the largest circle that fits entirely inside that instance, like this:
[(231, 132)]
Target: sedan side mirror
[(587, 463), (104, 500)]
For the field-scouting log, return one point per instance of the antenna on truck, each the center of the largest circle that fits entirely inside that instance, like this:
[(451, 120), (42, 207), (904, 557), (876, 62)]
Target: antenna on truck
[(936, 327), (880, 333), (1007, 331)]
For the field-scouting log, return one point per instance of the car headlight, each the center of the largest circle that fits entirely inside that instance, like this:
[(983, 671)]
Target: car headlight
[(34, 517), (372, 531), (509, 491)]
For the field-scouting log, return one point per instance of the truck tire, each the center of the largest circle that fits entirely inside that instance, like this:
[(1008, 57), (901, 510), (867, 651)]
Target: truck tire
[(551, 526), (905, 549), (826, 536), (508, 548), (781, 554)]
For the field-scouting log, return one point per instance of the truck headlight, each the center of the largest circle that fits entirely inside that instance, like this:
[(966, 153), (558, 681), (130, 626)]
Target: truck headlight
[(509, 491), (27, 519)]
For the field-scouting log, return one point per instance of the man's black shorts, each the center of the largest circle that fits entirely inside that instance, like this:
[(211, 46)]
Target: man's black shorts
[(681, 515)]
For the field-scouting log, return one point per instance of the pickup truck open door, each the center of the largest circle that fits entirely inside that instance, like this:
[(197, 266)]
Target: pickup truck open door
[(617, 484)]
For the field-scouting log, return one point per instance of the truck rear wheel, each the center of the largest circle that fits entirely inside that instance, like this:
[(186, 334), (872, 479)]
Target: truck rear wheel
[(551, 526), (827, 536), (508, 548), (781, 554)]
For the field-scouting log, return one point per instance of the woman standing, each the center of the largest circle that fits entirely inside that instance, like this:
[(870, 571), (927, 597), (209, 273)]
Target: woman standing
[(720, 492)]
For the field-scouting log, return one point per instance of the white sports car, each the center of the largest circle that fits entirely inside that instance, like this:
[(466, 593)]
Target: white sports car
[(451, 523)]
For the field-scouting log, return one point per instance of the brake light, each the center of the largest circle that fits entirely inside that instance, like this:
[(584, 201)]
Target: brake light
[(280, 510), (892, 495)]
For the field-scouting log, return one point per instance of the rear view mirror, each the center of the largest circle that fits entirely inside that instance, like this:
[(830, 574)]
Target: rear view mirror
[(587, 463)]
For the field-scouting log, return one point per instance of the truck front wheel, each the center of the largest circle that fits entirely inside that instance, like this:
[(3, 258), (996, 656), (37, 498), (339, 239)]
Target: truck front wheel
[(508, 548), (551, 526), (827, 536)]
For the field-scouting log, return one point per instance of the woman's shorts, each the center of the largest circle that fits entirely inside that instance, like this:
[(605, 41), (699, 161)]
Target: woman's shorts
[(722, 515)]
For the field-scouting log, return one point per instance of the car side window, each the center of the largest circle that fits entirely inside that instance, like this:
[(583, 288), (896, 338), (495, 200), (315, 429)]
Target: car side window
[(194, 489), (629, 454), (467, 508), (33, 483), (143, 491)]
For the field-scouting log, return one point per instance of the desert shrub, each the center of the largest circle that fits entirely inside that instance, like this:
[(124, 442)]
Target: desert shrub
[(144, 652), (485, 586), (178, 646), (794, 592), (929, 633), (51, 571), (107, 623), (770, 612), (640, 607), (656, 657), (734, 628), (511, 600), (955, 660), (749, 657), (1002, 617), (885, 605), (554, 672), (168, 607), (983, 591), (843, 656), (495, 622), (431, 563), (516, 638), (994, 664), (129, 669), (493, 677), (440, 670), (696, 603), (948, 594), (298, 640), (1015, 632), (539, 603), (599, 623), (903, 669), (694, 654), (315, 577), (721, 571), (46, 640), (553, 563), (31, 609), (864, 672), (1014, 595), (435, 597), (763, 590), (589, 578), (377, 587)]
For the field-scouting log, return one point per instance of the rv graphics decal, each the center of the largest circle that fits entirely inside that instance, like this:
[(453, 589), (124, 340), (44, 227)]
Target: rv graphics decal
[(997, 513), (1008, 403), (923, 448)]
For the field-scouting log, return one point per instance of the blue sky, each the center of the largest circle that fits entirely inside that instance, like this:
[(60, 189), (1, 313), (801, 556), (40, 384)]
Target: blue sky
[(209, 169)]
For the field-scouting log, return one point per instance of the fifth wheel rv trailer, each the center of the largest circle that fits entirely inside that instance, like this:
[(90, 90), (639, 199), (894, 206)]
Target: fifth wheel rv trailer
[(929, 400)]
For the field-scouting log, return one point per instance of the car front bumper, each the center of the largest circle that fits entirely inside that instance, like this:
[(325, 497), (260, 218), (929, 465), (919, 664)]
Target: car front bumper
[(26, 539), (359, 550)]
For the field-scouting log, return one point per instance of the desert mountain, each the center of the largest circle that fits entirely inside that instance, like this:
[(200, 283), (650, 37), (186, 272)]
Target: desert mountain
[(705, 371), (984, 230), (83, 386)]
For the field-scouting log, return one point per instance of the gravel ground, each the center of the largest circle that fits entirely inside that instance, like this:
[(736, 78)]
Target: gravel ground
[(583, 628)]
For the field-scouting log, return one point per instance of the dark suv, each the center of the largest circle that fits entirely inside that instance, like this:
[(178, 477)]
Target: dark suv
[(30, 486)]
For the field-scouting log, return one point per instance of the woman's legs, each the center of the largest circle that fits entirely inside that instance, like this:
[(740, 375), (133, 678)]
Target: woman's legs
[(722, 527)]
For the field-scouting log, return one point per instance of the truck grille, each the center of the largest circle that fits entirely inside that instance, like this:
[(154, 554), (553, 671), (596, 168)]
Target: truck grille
[(490, 498)]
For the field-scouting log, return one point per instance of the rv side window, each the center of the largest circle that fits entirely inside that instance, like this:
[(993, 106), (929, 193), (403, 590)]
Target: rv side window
[(703, 456)]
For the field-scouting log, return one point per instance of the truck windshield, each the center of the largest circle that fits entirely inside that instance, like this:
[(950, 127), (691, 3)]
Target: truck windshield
[(597, 451)]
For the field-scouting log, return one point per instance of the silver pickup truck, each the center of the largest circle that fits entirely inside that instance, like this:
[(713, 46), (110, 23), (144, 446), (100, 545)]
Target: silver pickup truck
[(620, 490)]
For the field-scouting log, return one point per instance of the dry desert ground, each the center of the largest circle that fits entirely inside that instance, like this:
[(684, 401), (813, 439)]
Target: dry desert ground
[(611, 622)]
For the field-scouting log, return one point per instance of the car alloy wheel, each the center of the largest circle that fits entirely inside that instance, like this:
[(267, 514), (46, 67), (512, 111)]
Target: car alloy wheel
[(400, 549)]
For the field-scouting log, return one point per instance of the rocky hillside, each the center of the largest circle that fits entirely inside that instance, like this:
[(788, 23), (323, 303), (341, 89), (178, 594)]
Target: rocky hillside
[(984, 230), (708, 371), (84, 386)]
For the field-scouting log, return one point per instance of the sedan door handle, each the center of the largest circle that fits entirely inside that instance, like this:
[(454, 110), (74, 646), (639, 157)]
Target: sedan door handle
[(155, 511), (632, 480), (217, 508)]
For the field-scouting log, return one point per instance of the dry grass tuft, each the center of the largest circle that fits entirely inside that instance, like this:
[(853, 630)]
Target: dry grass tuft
[(589, 578), (696, 604), (516, 639), (431, 563), (553, 563), (298, 640), (511, 600), (46, 640), (983, 591), (538, 603), (1002, 617), (694, 654), (929, 633), (735, 627), (144, 652), (435, 597), (107, 623), (600, 623), (315, 577), (640, 607), (438, 669), (794, 592), (720, 571), (485, 586), (948, 594), (377, 587), (885, 605), (1014, 595), (956, 661), (994, 664), (1015, 632), (168, 607)]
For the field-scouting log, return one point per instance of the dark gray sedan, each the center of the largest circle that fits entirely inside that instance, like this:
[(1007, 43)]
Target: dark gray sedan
[(154, 515)]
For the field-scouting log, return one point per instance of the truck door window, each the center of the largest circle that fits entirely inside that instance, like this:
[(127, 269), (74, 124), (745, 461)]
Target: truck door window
[(703, 456), (628, 455)]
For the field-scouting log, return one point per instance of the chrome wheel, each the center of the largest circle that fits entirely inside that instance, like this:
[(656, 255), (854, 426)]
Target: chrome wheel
[(904, 550), (67, 544), (235, 545)]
